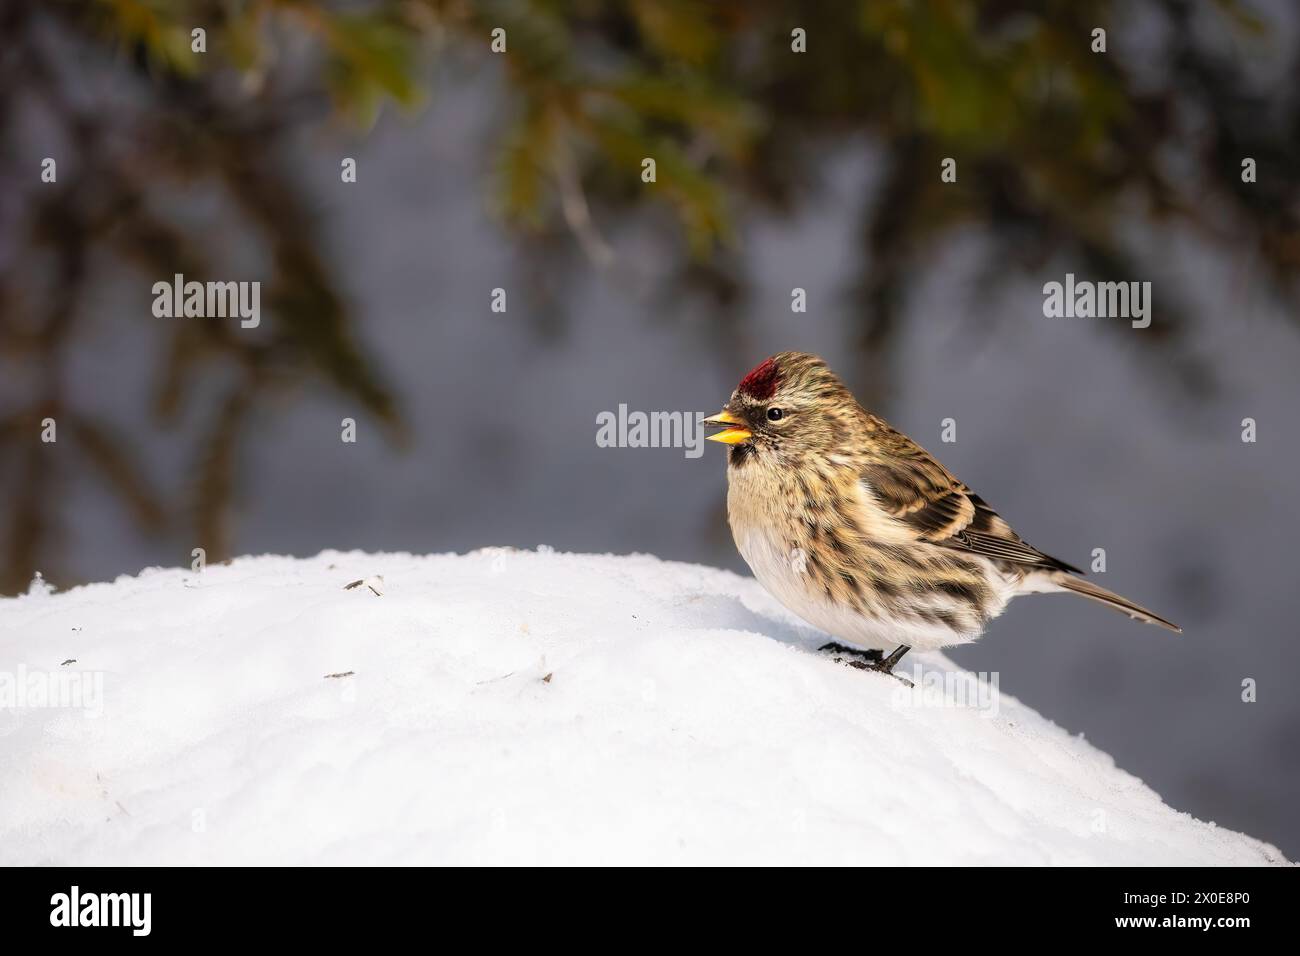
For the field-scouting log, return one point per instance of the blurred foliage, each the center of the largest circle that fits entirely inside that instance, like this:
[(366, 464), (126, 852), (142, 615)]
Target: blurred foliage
[(1061, 151)]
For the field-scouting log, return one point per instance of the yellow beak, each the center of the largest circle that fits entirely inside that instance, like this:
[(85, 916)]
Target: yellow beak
[(730, 436)]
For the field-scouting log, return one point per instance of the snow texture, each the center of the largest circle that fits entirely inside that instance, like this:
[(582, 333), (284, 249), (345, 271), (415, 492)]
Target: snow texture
[(522, 707)]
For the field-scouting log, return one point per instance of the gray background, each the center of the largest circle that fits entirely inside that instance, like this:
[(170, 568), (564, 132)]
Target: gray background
[(1066, 426)]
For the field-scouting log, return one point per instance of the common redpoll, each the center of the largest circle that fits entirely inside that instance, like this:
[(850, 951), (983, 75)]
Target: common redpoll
[(861, 532)]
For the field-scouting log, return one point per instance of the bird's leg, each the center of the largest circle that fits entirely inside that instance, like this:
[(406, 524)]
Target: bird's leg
[(874, 656), (887, 665)]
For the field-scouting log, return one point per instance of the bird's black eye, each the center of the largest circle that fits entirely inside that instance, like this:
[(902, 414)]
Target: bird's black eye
[(775, 414)]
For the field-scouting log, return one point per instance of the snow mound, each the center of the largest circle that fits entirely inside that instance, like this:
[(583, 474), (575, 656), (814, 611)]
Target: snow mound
[(522, 707)]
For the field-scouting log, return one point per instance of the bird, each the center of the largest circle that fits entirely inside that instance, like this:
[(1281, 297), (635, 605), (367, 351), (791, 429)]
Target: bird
[(861, 532)]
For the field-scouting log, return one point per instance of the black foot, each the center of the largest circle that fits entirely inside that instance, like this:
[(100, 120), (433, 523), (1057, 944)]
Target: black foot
[(885, 666), (873, 656)]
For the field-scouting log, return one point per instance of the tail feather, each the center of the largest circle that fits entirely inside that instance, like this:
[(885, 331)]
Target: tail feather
[(1109, 598)]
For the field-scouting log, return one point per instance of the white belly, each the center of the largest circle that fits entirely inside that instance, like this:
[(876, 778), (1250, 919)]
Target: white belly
[(781, 574)]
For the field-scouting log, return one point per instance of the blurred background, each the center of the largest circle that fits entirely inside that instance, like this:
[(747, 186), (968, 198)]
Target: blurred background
[(776, 169)]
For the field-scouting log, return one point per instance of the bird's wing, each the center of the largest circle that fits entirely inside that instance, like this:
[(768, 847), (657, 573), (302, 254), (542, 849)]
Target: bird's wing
[(927, 499)]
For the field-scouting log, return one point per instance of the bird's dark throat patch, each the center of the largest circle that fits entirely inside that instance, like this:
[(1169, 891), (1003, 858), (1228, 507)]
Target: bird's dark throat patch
[(741, 454)]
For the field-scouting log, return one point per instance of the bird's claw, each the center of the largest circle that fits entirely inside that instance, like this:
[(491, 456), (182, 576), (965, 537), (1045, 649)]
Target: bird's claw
[(879, 668), (870, 660), (871, 656)]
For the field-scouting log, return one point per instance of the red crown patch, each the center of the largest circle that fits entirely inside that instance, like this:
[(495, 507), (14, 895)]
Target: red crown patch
[(762, 381)]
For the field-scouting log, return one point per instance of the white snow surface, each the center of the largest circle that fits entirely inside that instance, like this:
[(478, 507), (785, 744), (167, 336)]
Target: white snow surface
[(512, 706)]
